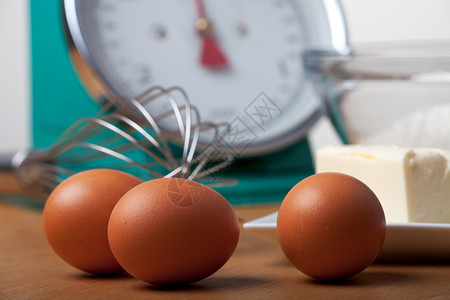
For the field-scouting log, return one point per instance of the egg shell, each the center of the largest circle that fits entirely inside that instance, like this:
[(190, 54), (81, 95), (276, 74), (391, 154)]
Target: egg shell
[(172, 231), (331, 226), (76, 216)]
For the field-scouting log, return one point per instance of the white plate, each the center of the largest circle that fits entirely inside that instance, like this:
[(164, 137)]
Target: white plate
[(404, 241)]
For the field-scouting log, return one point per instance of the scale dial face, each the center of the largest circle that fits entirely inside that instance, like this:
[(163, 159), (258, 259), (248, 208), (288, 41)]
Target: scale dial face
[(259, 87)]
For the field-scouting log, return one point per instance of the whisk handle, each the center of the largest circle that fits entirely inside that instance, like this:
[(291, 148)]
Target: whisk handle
[(6, 161), (12, 160)]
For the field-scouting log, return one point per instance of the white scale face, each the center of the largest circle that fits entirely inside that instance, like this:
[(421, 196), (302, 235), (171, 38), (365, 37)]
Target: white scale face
[(261, 90)]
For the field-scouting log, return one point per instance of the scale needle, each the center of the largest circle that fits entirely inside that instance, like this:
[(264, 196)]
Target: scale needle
[(212, 55)]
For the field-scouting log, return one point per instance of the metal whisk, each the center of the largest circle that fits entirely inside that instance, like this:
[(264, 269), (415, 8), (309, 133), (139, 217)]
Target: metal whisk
[(155, 134)]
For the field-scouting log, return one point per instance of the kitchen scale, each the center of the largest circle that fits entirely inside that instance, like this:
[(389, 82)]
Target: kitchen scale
[(240, 62)]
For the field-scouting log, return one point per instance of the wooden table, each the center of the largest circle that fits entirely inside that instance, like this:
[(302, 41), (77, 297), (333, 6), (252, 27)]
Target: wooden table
[(29, 269)]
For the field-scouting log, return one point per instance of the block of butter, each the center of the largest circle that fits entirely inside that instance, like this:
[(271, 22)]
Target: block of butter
[(413, 185)]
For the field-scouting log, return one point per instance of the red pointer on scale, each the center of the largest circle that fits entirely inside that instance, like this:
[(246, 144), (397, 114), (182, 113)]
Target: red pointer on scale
[(211, 56)]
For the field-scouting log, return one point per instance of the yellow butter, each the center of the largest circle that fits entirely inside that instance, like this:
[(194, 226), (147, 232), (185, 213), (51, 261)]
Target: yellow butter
[(413, 185)]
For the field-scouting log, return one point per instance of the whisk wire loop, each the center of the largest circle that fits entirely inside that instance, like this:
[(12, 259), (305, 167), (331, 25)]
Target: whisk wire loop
[(155, 134)]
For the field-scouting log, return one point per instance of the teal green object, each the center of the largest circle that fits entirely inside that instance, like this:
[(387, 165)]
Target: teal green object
[(59, 99), (30, 202), (267, 179)]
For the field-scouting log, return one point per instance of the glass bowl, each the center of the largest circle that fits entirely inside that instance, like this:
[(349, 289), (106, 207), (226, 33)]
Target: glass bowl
[(386, 94)]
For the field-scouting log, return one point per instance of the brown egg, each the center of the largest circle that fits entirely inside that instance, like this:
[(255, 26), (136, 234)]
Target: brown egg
[(76, 217), (331, 226), (172, 231)]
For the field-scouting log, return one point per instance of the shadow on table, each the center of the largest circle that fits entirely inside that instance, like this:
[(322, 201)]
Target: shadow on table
[(212, 283), (369, 278), (101, 277)]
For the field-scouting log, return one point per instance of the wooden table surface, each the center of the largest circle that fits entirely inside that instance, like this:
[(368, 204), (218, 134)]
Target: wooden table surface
[(29, 269)]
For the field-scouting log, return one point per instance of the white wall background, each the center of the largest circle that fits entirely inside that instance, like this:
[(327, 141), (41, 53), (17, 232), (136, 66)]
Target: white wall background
[(397, 20), (14, 80), (368, 20)]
